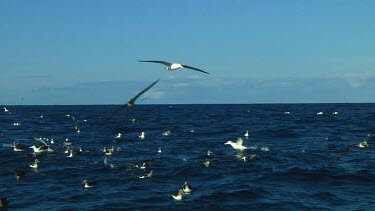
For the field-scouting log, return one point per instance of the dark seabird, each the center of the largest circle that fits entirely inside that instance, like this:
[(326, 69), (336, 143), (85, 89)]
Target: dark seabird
[(19, 174), (207, 163), (209, 153), (17, 147), (3, 202), (250, 157), (175, 66), (88, 184), (147, 175), (178, 195), (131, 102), (187, 188)]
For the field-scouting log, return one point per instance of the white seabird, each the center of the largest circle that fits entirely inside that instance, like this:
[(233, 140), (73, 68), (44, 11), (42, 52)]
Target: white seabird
[(35, 164), (237, 145), (142, 135), (119, 135), (187, 188), (178, 195), (175, 66), (166, 133), (41, 149), (207, 163), (247, 134), (362, 144), (6, 110)]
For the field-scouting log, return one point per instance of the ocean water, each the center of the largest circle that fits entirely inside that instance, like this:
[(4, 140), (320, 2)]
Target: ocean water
[(294, 173)]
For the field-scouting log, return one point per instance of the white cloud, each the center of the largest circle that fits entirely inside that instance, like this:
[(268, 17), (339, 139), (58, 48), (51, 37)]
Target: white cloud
[(154, 94), (181, 84), (357, 79)]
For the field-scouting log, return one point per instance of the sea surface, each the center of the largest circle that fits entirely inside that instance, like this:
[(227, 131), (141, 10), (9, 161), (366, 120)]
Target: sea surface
[(295, 148)]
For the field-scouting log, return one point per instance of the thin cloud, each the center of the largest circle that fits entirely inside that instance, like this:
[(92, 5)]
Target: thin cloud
[(358, 79)]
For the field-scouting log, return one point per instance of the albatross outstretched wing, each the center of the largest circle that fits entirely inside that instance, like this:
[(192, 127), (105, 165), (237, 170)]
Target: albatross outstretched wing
[(131, 102), (346, 150), (194, 68), (156, 61)]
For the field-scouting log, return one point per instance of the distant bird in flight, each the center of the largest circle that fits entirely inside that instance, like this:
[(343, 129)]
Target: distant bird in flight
[(175, 66)]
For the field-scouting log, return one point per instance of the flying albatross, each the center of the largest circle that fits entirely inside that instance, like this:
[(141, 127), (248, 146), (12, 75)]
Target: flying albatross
[(361, 144), (175, 66), (131, 102)]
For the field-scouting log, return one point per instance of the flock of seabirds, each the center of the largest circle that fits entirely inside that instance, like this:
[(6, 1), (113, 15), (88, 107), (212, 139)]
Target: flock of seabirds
[(185, 189)]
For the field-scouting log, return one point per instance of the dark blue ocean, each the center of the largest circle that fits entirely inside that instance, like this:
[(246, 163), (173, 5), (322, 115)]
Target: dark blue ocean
[(293, 170)]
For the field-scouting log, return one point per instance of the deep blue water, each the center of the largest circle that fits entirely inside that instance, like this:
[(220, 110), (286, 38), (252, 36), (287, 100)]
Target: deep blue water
[(294, 173)]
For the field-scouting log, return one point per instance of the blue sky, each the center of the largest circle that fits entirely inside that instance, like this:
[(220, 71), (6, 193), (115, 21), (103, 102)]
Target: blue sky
[(87, 52)]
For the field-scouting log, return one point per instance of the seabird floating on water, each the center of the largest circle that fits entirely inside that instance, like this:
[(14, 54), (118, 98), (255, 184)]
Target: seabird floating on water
[(209, 153), (3, 202), (35, 164), (166, 133), (144, 166), (178, 195), (175, 66), (265, 148), (187, 188), (41, 149), (119, 135), (88, 184), (147, 175), (237, 145), (250, 157), (19, 174), (142, 135), (246, 134), (160, 150), (17, 147), (207, 163), (362, 144)]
